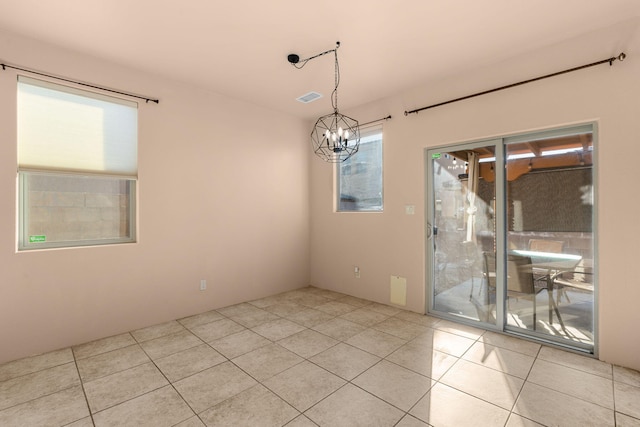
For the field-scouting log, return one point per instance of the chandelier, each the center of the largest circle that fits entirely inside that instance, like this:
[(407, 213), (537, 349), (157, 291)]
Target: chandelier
[(335, 137)]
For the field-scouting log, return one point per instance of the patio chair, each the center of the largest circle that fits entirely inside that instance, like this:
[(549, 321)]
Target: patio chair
[(520, 278), (579, 280)]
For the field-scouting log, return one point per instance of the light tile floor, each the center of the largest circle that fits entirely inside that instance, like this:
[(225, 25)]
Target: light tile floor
[(315, 357)]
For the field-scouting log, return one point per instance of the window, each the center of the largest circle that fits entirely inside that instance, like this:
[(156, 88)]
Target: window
[(359, 178), (77, 166)]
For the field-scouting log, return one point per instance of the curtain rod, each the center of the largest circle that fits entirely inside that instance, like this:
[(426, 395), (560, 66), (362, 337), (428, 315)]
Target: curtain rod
[(145, 98), (375, 121), (611, 60)]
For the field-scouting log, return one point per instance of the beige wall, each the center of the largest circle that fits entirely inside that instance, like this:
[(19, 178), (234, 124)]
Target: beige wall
[(222, 199), (392, 243), (223, 196)]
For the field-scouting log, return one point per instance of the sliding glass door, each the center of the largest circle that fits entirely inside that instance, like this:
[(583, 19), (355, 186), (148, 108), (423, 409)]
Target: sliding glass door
[(510, 240), (462, 229)]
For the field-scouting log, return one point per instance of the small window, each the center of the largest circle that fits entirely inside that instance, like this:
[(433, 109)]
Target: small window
[(359, 178), (77, 167)]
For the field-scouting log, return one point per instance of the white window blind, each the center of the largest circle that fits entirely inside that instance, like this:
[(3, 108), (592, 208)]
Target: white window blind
[(64, 129)]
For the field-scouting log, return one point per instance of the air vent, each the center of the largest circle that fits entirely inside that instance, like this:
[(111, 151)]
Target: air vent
[(309, 97)]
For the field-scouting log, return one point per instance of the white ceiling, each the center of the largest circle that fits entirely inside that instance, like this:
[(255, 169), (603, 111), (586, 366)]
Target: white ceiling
[(239, 48)]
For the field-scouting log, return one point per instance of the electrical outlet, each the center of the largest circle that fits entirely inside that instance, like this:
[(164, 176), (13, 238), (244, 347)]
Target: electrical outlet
[(203, 284), (356, 272)]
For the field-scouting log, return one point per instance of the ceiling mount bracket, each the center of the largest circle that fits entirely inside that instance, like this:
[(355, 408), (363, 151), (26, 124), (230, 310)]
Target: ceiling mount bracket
[(294, 58)]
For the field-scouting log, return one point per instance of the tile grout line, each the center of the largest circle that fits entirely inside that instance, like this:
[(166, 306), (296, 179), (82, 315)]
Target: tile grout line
[(240, 368), (304, 359), (84, 392), (570, 395), (308, 360), (613, 385), (107, 352), (270, 390), (526, 379), (150, 360), (372, 327), (42, 396), (613, 393), (563, 393), (169, 381), (439, 381)]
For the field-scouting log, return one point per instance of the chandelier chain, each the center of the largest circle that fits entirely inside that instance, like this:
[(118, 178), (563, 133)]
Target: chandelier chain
[(334, 94)]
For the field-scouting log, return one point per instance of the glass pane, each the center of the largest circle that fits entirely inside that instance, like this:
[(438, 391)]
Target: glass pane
[(69, 210), (550, 237), (464, 195), (360, 177)]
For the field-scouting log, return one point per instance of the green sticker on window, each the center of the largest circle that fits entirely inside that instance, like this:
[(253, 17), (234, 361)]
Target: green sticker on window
[(35, 239), (436, 155)]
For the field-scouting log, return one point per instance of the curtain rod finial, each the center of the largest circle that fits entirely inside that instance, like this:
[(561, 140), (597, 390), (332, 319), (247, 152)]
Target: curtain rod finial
[(620, 58)]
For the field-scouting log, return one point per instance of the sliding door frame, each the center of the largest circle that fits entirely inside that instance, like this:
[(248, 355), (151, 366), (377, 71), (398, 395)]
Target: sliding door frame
[(500, 144)]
